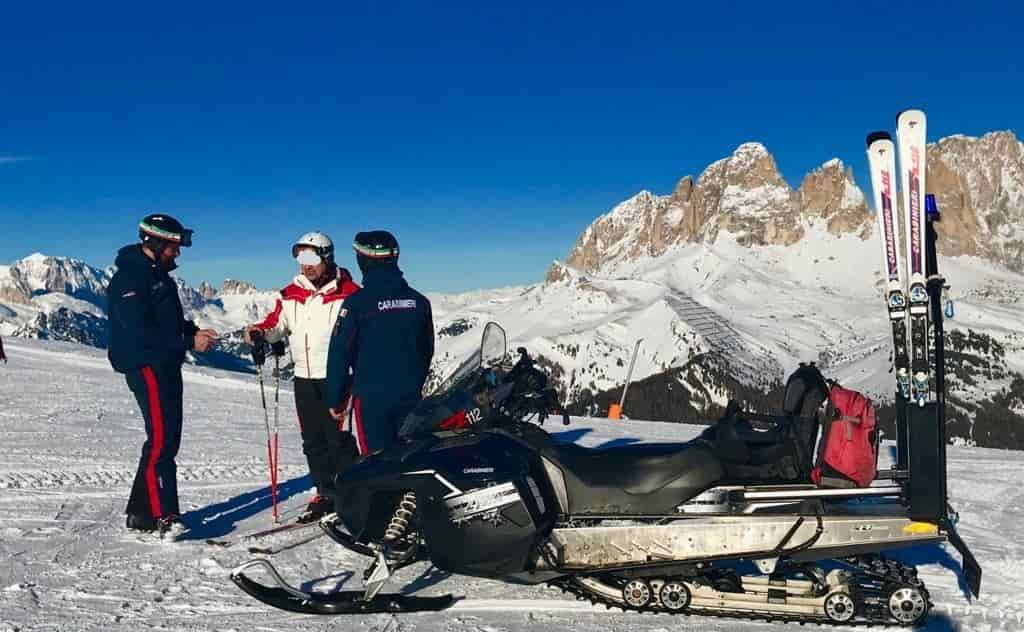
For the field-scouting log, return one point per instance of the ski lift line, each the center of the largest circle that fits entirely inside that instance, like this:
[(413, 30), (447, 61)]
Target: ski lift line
[(629, 373)]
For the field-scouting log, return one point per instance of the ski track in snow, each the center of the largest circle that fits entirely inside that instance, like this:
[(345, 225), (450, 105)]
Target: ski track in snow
[(71, 436)]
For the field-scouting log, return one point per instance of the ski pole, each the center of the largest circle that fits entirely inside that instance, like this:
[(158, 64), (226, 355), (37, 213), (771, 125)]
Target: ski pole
[(258, 357), (277, 444)]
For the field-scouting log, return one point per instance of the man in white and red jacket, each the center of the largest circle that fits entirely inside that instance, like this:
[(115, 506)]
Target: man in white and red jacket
[(306, 313)]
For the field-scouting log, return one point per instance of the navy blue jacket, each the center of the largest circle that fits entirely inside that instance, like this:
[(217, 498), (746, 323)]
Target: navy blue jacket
[(147, 324), (385, 335)]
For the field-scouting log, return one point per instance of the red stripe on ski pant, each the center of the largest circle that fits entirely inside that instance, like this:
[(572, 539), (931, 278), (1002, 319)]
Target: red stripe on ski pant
[(345, 409), (157, 420), (357, 410)]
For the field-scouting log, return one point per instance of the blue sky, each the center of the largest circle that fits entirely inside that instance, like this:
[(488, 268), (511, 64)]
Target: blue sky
[(486, 139)]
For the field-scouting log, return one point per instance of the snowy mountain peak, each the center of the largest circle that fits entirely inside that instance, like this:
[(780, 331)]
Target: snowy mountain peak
[(749, 153), (750, 164), (834, 163), (234, 286), (978, 183), (43, 274), (1006, 135), (830, 193)]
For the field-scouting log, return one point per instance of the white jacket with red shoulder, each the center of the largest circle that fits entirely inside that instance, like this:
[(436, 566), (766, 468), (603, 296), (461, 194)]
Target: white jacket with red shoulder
[(306, 315)]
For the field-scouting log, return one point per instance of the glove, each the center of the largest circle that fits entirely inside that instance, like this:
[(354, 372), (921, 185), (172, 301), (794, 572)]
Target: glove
[(259, 348)]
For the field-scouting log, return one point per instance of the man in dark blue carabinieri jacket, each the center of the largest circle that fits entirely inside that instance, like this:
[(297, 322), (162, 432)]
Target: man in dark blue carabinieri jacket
[(381, 348), (148, 340)]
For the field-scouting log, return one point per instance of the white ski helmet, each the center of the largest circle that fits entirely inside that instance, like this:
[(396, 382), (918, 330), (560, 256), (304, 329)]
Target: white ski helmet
[(319, 242)]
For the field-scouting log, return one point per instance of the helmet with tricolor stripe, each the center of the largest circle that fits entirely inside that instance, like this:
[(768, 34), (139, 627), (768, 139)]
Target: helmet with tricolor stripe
[(376, 244), (375, 247), (316, 241), (159, 230)]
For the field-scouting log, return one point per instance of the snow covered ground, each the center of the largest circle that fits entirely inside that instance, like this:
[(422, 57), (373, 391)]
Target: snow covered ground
[(69, 440)]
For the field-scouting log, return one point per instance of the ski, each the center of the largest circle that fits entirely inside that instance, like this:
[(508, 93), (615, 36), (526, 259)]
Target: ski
[(290, 544), (256, 535), (882, 161), (910, 133)]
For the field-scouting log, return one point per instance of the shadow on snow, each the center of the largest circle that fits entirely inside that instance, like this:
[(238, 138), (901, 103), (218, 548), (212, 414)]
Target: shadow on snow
[(219, 519)]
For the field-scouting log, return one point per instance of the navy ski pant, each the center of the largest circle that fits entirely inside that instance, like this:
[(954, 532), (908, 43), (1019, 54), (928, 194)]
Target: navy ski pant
[(158, 390), (376, 420)]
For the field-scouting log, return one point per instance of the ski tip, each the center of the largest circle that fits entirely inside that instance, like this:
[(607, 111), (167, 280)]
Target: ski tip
[(911, 114), (876, 136)]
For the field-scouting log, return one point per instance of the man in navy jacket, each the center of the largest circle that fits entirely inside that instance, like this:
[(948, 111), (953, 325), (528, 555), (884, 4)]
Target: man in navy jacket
[(381, 349), (148, 340)]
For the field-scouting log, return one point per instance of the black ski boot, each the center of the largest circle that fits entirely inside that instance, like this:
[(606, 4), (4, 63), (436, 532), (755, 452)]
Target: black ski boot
[(171, 527), (317, 508), (139, 522)]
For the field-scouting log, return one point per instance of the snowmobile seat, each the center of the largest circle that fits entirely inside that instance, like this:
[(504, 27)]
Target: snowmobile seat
[(634, 479), (784, 452)]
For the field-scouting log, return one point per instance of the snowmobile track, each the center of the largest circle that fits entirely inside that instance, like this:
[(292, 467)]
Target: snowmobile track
[(893, 571)]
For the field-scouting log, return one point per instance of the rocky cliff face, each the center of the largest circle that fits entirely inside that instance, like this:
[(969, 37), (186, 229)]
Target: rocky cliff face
[(979, 187), (12, 288), (206, 290), (233, 286), (743, 195), (978, 183), (829, 193)]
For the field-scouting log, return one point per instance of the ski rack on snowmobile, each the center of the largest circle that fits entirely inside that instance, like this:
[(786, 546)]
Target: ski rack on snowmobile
[(921, 465), (287, 597), (812, 492)]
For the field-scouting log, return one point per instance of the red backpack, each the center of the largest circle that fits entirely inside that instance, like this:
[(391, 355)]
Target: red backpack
[(848, 454)]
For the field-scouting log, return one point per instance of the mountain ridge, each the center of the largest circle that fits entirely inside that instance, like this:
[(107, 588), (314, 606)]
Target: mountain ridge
[(784, 275)]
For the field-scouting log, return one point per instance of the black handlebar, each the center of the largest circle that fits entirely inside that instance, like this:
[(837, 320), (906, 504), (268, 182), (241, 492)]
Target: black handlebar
[(530, 393)]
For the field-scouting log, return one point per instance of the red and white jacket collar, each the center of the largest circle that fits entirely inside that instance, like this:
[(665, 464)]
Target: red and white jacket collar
[(302, 289)]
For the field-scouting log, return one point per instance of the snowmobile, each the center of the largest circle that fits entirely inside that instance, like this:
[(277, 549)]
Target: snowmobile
[(477, 487)]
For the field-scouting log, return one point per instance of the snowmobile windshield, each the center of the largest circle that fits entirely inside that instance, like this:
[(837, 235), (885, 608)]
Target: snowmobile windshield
[(455, 395), (493, 345), (469, 368), (493, 348)]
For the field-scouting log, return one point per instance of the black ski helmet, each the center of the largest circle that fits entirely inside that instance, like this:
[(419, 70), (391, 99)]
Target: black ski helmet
[(375, 247), (158, 230)]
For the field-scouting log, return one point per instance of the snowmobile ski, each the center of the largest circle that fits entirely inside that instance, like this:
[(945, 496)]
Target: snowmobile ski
[(882, 161), (286, 597), (911, 135)]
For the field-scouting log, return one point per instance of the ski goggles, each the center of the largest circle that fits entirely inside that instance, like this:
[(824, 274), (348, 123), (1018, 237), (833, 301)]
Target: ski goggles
[(308, 258)]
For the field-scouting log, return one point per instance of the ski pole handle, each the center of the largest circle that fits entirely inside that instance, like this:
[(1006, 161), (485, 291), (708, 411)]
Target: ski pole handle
[(259, 352)]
